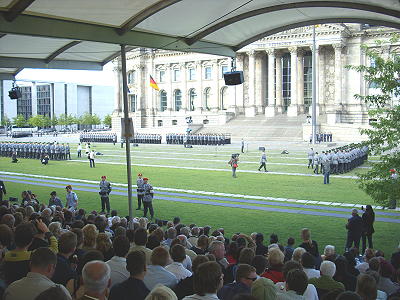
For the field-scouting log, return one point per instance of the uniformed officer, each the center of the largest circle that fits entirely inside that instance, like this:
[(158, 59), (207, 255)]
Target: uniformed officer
[(310, 155), (139, 190), (263, 162), (105, 190), (316, 163), (147, 198)]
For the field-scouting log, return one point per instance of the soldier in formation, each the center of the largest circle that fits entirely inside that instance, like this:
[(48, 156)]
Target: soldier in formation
[(92, 137), (36, 150), (341, 160), (322, 137), (198, 139), (147, 138)]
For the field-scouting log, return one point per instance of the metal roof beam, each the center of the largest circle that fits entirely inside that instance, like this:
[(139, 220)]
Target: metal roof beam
[(315, 22), (296, 5), (144, 14), (59, 51), (16, 9), (18, 62), (47, 27), (7, 76)]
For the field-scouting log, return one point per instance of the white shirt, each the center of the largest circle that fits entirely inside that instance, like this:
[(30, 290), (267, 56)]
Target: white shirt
[(178, 270), (309, 294), (119, 273), (312, 273), (158, 274)]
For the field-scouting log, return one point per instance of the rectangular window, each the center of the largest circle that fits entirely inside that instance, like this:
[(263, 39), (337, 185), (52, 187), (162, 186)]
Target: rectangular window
[(162, 76), (43, 100), (207, 73), (24, 104), (286, 81), (133, 99), (192, 74), (131, 77), (224, 69), (307, 81), (177, 75)]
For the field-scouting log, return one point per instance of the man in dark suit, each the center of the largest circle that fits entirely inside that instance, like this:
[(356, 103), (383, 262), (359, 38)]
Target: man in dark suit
[(2, 190), (354, 228)]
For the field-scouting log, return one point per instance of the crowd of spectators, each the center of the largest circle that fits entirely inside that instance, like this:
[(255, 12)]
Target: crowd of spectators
[(50, 252)]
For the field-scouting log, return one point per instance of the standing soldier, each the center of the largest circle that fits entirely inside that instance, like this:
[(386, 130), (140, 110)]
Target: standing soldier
[(105, 190), (79, 150), (316, 163), (91, 157), (67, 152), (140, 191), (62, 152), (57, 151), (262, 162), (147, 198), (72, 198), (311, 158), (326, 169), (335, 162), (242, 146)]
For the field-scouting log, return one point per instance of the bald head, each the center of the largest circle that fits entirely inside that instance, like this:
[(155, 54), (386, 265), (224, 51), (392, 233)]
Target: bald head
[(96, 277)]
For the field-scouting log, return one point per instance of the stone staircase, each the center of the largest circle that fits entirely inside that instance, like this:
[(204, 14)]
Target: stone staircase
[(278, 128)]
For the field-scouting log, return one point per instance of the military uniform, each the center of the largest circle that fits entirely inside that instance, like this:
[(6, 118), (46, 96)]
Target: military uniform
[(140, 191), (147, 198), (310, 155), (262, 162), (105, 190)]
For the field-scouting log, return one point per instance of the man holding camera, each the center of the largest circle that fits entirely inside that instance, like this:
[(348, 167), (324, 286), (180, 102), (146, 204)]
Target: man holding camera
[(105, 190)]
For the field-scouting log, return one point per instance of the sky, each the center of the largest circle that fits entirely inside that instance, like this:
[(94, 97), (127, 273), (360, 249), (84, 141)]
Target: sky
[(105, 77)]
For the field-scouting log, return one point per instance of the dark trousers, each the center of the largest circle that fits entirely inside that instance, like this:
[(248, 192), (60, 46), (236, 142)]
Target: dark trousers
[(316, 168), (91, 161), (310, 163), (352, 239), (364, 242), (105, 203), (139, 201), (262, 166), (148, 206), (326, 177), (79, 153)]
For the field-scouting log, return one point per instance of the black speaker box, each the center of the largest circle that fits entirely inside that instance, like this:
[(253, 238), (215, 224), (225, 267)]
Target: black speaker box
[(261, 148), (233, 78), (15, 93)]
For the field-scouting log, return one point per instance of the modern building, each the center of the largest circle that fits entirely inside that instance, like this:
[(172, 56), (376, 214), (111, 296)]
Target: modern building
[(277, 80), (55, 98)]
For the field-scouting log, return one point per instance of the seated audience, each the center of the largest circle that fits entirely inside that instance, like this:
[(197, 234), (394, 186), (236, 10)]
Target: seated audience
[(308, 263), (140, 240), (177, 268), (161, 292), (264, 289), (117, 263), (96, 280), (245, 275), (64, 270), (296, 285), (275, 261), (326, 283)]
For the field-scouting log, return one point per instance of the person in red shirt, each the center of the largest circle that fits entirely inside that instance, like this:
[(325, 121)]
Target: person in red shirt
[(275, 260)]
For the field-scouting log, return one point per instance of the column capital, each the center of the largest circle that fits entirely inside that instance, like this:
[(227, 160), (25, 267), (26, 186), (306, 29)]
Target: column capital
[(251, 53), (338, 46), (182, 65), (270, 52), (300, 52), (293, 50), (385, 49)]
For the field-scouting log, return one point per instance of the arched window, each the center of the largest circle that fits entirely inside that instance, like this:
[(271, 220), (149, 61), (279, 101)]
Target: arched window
[(163, 100), (224, 97), (178, 100), (207, 96), (192, 98)]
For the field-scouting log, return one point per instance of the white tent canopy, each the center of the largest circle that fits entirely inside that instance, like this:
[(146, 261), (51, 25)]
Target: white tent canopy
[(78, 34)]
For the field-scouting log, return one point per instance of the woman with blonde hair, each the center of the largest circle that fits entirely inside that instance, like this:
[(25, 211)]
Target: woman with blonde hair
[(297, 253), (89, 237), (161, 292), (104, 245), (275, 262)]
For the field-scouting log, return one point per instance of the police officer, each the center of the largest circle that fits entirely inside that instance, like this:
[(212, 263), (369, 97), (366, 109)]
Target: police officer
[(147, 198), (105, 190), (140, 191)]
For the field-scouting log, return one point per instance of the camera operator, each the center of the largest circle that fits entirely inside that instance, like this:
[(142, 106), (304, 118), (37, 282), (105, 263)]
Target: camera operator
[(105, 190), (233, 162)]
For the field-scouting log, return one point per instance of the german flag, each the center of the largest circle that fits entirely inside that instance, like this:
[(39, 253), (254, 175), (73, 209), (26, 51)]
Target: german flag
[(153, 84)]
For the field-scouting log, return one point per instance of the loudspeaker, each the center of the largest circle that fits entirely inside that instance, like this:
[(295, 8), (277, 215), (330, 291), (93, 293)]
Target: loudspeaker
[(261, 148), (14, 93), (233, 78)]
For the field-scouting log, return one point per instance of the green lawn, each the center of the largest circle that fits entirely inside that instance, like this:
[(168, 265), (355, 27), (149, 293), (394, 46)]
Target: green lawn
[(326, 230)]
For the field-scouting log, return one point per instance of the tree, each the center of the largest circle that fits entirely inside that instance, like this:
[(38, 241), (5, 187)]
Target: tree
[(37, 121), (384, 134), (47, 122), (5, 121), (96, 120), (62, 120), (54, 121), (107, 120), (19, 121)]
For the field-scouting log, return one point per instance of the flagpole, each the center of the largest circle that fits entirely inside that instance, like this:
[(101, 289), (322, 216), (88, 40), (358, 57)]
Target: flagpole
[(127, 137)]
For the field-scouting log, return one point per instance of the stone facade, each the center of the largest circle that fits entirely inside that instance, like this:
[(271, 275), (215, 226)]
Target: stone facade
[(277, 73)]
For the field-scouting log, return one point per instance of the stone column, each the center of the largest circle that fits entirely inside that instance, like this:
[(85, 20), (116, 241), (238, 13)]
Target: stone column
[(169, 90), (34, 98), (250, 109), (293, 109), (118, 84), (300, 80), (199, 106), (278, 95), (320, 80), (213, 101), (338, 73), (270, 109), (183, 86), (260, 82), (236, 103)]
